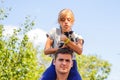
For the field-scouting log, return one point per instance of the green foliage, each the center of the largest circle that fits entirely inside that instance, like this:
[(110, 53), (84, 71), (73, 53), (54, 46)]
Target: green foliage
[(93, 68), (18, 57), (4, 11), (45, 61)]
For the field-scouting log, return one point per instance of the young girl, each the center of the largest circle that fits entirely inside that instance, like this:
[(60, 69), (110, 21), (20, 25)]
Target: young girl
[(63, 37)]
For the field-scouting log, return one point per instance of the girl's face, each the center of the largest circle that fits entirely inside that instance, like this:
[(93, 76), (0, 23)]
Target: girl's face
[(66, 24)]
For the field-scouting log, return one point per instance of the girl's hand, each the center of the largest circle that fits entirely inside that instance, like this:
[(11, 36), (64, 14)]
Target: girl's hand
[(63, 37), (64, 46)]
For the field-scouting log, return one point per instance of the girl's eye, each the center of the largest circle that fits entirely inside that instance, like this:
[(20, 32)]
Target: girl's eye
[(68, 19), (62, 19)]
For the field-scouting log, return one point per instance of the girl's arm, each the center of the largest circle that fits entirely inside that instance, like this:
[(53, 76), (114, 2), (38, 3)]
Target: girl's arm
[(77, 47), (48, 47)]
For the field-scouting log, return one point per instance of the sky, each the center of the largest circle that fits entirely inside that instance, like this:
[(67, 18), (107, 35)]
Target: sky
[(98, 21)]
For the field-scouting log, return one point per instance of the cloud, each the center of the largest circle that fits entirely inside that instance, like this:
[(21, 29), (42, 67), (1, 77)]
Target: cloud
[(9, 30), (37, 36)]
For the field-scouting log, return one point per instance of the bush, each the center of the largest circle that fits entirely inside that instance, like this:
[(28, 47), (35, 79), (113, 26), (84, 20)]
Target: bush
[(18, 57)]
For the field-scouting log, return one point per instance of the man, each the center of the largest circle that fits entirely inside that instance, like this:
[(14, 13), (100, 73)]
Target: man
[(63, 63)]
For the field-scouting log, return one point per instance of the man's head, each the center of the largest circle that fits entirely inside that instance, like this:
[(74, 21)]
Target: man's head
[(63, 60)]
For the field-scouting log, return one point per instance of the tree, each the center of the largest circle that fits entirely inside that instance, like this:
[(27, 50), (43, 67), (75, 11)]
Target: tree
[(4, 11), (93, 68), (18, 58)]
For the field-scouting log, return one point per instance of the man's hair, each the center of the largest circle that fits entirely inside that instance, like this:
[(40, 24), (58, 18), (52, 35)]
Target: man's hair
[(64, 51)]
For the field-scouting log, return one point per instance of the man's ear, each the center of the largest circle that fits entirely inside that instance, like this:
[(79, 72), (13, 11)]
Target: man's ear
[(53, 61)]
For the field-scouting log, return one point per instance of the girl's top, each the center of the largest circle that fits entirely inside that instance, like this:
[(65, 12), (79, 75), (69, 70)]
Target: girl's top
[(55, 34)]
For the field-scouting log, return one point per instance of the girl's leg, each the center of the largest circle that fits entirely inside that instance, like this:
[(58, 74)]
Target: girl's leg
[(74, 74), (49, 74)]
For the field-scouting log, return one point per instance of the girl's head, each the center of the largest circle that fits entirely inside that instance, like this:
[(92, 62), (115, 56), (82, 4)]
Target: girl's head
[(66, 19), (64, 13)]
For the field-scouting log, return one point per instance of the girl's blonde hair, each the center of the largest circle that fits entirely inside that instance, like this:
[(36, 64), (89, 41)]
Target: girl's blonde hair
[(63, 13)]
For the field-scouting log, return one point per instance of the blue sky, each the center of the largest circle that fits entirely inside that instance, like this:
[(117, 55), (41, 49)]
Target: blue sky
[(98, 21)]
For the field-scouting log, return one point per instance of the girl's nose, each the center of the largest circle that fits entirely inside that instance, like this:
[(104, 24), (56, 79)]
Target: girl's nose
[(66, 20)]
